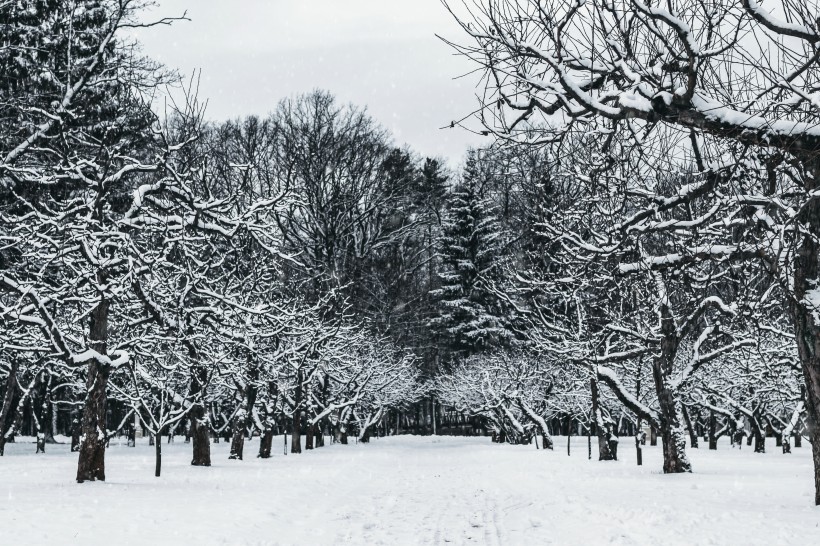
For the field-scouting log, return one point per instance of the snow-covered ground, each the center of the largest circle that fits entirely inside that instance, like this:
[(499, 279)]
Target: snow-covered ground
[(409, 490)]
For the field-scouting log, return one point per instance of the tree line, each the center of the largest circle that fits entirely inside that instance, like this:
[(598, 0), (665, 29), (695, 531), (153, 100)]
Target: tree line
[(636, 249)]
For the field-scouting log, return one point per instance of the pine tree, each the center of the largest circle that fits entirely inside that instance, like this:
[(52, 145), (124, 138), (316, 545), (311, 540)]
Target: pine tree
[(469, 317)]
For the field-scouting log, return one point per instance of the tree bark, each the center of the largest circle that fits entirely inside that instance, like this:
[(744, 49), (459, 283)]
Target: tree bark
[(712, 430), (265, 444), (91, 464), (200, 426), (693, 437), (296, 428), (243, 419), (605, 452), (7, 416), (672, 434), (320, 435), (807, 331), (340, 430), (759, 435), (158, 453)]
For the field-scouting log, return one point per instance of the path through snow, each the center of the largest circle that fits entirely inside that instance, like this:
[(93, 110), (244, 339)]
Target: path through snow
[(409, 490)]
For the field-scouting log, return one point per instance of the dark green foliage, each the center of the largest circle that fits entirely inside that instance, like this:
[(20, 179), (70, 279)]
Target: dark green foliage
[(473, 247)]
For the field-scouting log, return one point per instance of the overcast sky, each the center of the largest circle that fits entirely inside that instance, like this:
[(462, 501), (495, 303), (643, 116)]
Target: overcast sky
[(382, 54)]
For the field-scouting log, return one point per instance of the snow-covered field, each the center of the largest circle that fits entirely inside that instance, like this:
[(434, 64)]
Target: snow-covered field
[(409, 490)]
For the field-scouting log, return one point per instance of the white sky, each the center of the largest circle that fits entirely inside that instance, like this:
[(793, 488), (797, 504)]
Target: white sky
[(382, 54)]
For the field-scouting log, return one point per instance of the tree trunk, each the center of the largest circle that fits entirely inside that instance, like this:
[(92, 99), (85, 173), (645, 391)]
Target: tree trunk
[(158, 453), (369, 423), (75, 430), (132, 436), (91, 465), (320, 435), (569, 433), (265, 443), (806, 272), (341, 426), (712, 430), (200, 429), (602, 428), (759, 434), (7, 415), (237, 443), (672, 437), (309, 436), (296, 429), (39, 414), (672, 434), (243, 420), (693, 437)]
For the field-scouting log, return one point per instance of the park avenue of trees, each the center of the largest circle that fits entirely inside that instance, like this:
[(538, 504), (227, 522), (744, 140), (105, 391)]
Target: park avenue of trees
[(638, 249)]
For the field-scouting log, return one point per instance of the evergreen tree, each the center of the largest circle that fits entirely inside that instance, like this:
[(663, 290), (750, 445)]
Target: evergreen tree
[(469, 317)]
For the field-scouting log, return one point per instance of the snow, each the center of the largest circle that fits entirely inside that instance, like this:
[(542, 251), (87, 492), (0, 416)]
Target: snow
[(812, 301), (410, 490), (778, 25)]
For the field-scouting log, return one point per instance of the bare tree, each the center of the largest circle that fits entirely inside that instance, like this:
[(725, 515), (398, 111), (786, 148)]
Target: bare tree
[(733, 79)]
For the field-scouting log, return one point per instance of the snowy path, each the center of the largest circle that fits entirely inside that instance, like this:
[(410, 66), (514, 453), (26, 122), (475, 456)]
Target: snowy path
[(409, 490)]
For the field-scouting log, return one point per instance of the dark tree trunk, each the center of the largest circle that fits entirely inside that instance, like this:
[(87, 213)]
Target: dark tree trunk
[(569, 433), (309, 437), (199, 420), (365, 436), (758, 434), (369, 425), (265, 444), (296, 430), (341, 428), (266, 435), (39, 414), (76, 429), (547, 442), (237, 443), (43, 409), (91, 465), (638, 448), (158, 453), (7, 413), (807, 332), (320, 435), (693, 437), (672, 437), (244, 419), (602, 428), (712, 430), (132, 436)]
